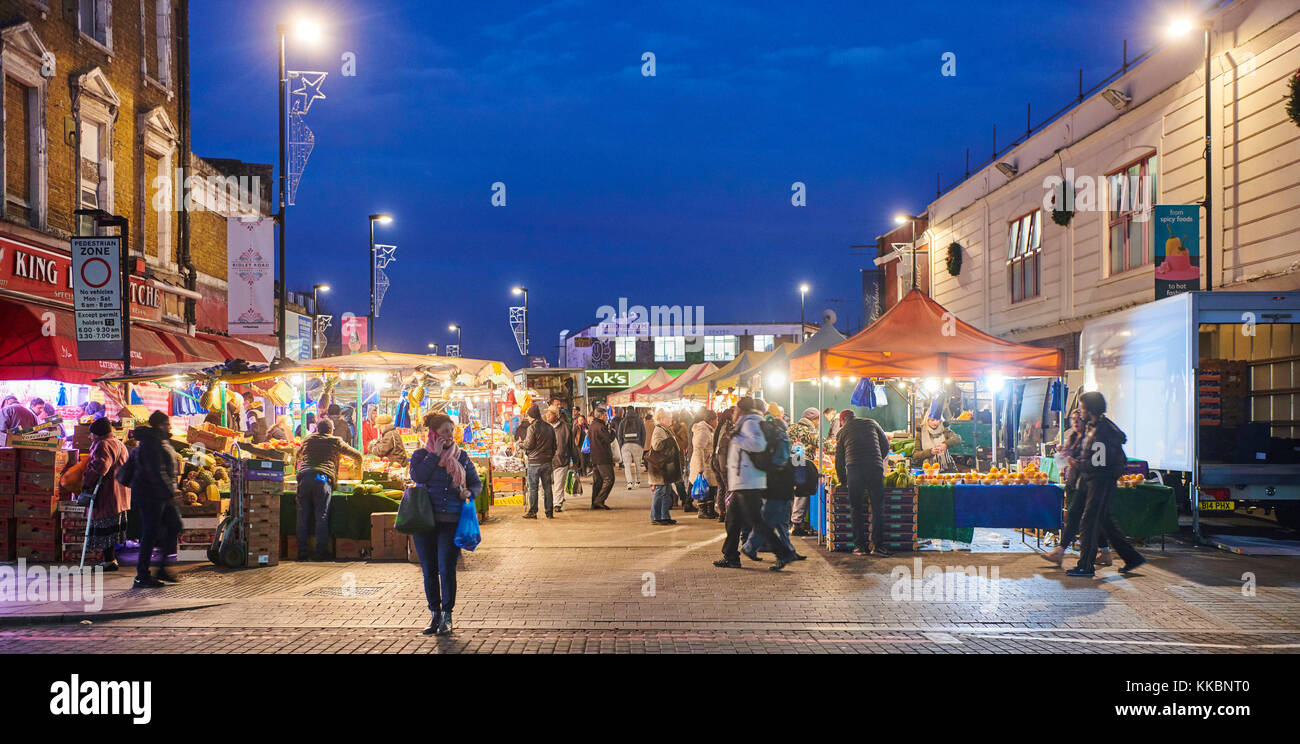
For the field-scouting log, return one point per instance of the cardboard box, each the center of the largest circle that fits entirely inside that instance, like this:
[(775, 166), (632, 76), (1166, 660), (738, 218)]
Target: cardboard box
[(290, 546), (412, 556), (35, 506), (349, 550), (386, 543), (9, 481), (37, 482), (73, 555), (39, 460), (8, 460), (8, 538), (6, 505), (198, 536), (39, 553), (38, 530)]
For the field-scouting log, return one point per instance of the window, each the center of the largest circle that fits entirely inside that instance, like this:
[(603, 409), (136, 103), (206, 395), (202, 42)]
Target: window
[(93, 20), (157, 47), (764, 342), (625, 348), (1131, 194), (90, 136), (1024, 247), (99, 105), (159, 139), (670, 348), (719, 348), (24, 172), (19, 151)]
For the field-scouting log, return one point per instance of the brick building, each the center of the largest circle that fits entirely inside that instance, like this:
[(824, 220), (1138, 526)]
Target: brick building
[(95, 109)]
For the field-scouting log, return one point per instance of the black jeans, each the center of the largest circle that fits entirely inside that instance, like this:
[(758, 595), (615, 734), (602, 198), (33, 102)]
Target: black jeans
[(1097, 519), (160, 525), (438, 554), (746, 510), (864, 485), (1076, 497), (602, 482), (313, 514)]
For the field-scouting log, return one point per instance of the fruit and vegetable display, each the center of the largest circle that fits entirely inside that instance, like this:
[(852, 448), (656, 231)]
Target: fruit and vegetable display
[(899, 477), (1030, 475), (203, 479), (1131, 480)]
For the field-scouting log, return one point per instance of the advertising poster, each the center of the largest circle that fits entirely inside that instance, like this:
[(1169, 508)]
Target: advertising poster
[(353, 333), (1177, 249), (250, 251)]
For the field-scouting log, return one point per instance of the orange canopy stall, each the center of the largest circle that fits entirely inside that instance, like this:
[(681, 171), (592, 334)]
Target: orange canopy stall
[(919, 338)]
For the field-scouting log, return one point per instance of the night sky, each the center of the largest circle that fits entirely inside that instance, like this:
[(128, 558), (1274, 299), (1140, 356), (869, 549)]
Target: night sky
[(673, 189)]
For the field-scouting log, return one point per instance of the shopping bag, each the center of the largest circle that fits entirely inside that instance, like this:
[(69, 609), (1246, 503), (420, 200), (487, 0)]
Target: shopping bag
[(700, 488), (467, 532), (415, 512), (586, 445), (569, 477)]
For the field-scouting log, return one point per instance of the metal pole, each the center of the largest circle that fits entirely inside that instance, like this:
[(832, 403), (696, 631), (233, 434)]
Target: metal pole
[(315, 311), (526, 346), (1209, 214), (370, 321), (913, 221), (280, 218), (821, 446)]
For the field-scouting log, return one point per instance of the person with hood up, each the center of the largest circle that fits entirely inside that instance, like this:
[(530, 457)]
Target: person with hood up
[(934, 442), (389, 442), (1102, 464), (153, 494), (702, 460), (748, 485), (108, 514)]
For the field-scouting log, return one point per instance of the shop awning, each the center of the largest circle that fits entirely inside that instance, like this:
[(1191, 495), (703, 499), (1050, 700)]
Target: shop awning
[(674, 389), (233, 348), (728, 375), (40, 344), (919, 338), (193, 350), (630, 396)]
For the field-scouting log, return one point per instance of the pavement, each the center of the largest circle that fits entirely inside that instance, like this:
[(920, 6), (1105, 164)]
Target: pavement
[(612, 582)]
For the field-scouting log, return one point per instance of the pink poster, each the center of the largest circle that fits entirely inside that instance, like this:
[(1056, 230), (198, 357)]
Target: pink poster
[(250, 278)]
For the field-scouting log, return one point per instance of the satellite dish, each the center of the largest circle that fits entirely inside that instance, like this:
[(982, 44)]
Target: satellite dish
[(828, 317)]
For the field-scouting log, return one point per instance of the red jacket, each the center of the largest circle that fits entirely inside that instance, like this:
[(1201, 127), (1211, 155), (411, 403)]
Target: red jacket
[(106, 456)]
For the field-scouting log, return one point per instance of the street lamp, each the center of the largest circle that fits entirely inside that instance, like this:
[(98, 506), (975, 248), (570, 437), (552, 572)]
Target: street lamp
[(1178, 28), (523, 291), (433, 348), (383, 219), (803, 302), (899, 220), (456, 327), (309, 31), (316, 289)]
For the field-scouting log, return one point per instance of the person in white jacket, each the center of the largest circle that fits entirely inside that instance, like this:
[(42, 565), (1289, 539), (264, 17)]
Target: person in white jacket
[(747, 484)]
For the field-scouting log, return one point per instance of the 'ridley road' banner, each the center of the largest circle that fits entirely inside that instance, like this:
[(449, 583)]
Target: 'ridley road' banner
[(250, 276)]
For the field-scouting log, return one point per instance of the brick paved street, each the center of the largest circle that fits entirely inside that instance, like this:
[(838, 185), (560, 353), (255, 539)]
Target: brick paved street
[(600, 582)]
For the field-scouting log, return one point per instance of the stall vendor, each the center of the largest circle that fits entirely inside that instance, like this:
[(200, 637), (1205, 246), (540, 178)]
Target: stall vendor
[(389, 444), (934, 440)]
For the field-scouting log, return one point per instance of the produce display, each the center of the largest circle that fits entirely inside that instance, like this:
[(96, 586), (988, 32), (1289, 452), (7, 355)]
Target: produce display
[(899, 477), (203, 479), (1028, 476), (1130, 481)]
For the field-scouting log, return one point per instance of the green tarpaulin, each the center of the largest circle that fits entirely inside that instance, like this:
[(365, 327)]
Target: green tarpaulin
[(934, 516)]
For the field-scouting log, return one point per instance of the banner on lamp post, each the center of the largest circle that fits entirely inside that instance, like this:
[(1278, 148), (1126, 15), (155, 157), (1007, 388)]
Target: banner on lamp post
[(352, 332), (250, 276), (1177, 254), (97, 297)]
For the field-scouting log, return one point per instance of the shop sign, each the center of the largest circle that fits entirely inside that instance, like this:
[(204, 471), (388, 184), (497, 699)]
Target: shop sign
[(1177, 249), (97, 296), (48, 274), (609, 378)]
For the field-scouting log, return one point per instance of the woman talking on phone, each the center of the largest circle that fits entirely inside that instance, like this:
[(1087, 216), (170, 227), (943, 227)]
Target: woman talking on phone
[(450, 478)]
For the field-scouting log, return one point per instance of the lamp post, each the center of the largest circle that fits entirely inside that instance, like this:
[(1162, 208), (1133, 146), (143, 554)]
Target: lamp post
[(383, 219), (456, 327), (900, 219), (316, 289), (803, 302), (433, 349), (524, 291), (1178, 28), (104, 219), (307, 31)]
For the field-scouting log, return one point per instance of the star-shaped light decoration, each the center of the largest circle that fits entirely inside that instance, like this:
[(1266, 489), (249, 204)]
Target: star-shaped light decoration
[(309, 90)]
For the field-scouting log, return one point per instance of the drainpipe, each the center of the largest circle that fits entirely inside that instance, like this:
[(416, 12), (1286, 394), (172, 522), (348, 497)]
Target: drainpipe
[(188, 271)]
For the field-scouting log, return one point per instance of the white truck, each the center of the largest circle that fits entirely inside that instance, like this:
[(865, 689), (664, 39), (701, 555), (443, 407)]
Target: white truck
[(1207, 387)]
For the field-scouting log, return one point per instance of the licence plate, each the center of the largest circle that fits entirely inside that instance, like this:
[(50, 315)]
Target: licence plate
[(1218, 505)]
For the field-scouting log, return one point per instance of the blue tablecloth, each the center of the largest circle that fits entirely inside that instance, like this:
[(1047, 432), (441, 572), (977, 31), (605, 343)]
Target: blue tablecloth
[(1008, 506)]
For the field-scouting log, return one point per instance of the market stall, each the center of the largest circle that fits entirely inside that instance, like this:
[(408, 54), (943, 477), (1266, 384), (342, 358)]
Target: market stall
[(672, 395), (718, 390), (636, 395)]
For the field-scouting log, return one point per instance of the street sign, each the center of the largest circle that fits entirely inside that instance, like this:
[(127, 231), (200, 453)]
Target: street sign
[(97, 296), (1177, 249)]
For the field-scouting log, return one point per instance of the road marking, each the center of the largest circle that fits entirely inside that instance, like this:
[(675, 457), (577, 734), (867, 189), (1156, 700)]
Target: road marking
[(1100, 641)]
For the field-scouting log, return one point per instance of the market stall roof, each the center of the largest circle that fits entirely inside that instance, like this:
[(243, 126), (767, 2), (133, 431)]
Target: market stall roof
[(40, 343), (630, 396), (824, 338), (777, 359), (729, 373), (919, 338), (673, 391)]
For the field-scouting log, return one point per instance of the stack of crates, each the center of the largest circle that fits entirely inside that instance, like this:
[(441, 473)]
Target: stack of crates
[(1222, 392), (8, 489), (899, 519), (36, 503), (263, 484), (839, 520), (72, 524)]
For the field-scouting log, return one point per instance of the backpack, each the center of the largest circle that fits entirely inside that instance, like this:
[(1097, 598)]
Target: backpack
[(126, 472), (776, 456)]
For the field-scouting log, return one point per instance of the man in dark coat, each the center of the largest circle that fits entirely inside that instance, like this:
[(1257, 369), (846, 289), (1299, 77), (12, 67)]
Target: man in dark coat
[(602, 460), (539, 448), (1102, 462), (860, 453), (153, 495), (565, 455)]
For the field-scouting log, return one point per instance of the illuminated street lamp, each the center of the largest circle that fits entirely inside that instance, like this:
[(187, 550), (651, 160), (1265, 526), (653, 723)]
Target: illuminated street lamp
[(1179, 28)]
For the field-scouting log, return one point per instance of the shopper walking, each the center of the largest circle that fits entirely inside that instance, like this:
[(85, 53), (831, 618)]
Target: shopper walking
[(602, 460), (631, 442), (721, 448), (682, 433), (389, 441), (1102, 464), (701, 460), (153, 495), (108, 515), (449, 476), (748, 484), (860, 453), (565, 456), (775, 509), (664, 464), (582, 460), (318, 467), (1075, 496), (539, 448)]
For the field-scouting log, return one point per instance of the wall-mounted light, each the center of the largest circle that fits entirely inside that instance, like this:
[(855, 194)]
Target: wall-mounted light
[(1007, 169), (1117, 98)]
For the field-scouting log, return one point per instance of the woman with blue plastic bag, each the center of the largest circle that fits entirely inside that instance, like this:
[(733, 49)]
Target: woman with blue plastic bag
[(453, 484), (701, 462)]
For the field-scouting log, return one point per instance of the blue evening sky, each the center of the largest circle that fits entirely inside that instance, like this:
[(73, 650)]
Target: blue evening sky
[(673, 189)]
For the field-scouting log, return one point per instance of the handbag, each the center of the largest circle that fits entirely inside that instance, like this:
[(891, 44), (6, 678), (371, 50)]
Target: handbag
[(468, 535), (415, 513), (700, 488)]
